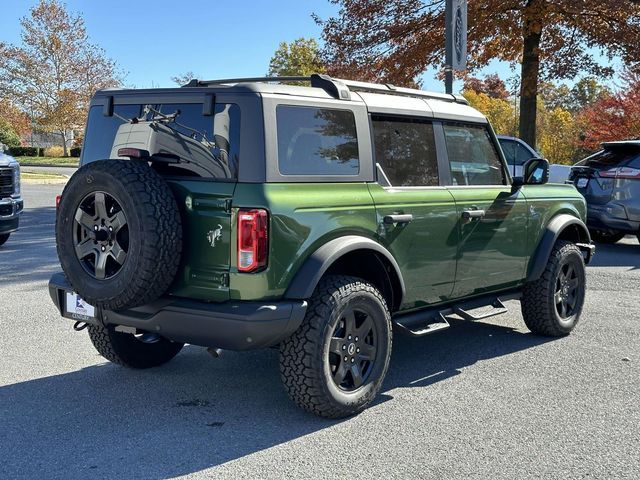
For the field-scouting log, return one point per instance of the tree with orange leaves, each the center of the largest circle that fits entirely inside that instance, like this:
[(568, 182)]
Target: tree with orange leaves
[(395, 41)]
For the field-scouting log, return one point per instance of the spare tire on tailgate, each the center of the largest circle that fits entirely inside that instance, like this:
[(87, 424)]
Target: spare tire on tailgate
[(118, 233)]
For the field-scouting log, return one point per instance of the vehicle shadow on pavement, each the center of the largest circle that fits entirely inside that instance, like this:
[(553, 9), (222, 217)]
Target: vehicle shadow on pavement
[(197, 412), (30, 253), (617, 255)]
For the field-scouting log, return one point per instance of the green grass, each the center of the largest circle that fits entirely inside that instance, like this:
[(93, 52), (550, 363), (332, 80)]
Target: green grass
[(41, 176), (57, 161)]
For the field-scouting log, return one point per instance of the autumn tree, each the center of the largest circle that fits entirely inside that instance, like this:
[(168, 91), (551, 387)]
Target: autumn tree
[(298, 58), (14, 117), (55, 71), (492, 86), (583, 94), (613, 117), (559, 136), (395, 41), (500, 112)]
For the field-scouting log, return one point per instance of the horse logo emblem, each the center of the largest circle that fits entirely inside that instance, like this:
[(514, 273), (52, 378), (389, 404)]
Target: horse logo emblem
[(214, 235)]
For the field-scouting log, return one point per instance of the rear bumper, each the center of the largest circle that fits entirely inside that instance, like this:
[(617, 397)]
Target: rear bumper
[(229, 325), (599, 218)]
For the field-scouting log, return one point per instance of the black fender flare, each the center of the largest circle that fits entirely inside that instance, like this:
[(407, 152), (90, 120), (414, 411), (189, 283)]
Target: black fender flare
[(315, 266), (553, 231)]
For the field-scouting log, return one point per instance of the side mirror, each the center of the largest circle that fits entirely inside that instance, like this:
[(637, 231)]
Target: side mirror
[(534, 172)]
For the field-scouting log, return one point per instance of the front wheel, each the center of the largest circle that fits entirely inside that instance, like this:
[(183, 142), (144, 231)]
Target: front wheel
[(552, 305), (335, 363), (144, 350), (4, 238)]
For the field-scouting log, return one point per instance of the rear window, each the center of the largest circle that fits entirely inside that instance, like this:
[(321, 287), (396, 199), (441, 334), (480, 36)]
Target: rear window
[(209, 145), (612, 158), (316, 141)]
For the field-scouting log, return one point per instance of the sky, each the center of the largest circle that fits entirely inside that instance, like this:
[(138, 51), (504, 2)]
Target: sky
[(153, 40)]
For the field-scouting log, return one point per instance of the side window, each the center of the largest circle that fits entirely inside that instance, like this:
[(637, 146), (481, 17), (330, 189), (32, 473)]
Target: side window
[(406, 151), (316, 141), (209, 144), (472, 155)]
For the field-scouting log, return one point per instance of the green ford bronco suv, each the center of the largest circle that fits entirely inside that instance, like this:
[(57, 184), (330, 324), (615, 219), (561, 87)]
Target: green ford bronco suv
[(249, 213)]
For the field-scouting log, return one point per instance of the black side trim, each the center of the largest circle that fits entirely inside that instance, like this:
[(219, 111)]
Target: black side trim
[(553, 231), (308, 276)]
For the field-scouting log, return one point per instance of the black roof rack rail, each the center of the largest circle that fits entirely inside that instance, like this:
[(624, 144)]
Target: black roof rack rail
[(335, 88), (387, 88)]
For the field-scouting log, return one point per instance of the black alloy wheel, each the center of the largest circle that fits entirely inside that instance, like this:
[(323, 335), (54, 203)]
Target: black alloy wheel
[(352, 349), (566, 296), (101, 235)]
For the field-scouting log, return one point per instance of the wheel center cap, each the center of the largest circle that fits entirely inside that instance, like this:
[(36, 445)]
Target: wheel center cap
[(102, 235), (351, 349)]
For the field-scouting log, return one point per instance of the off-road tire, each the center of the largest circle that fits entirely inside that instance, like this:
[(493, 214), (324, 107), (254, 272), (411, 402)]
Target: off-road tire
[(154, 233), (538, 301), (303, 366), (606, 236), (4, 238), (126, 350)]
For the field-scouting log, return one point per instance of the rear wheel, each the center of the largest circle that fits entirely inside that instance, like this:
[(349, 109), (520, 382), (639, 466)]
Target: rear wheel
[(606, 236), (335, 363), (145, 350), (4, 238), (552, 304)]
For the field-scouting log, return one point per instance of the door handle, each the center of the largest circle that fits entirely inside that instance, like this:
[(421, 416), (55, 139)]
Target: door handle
[(470, 215), (397, 218)]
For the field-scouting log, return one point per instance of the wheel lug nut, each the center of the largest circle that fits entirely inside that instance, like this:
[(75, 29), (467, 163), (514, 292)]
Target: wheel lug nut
[(344, 347), (346, 358), (356, 339), (349, 337), (103, 248), (357, 350), (353, 359), (111, 229), (95, 227)]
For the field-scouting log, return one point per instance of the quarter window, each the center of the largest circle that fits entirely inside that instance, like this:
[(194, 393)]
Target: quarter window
[(406, 151), (472, 155), (316, 141)]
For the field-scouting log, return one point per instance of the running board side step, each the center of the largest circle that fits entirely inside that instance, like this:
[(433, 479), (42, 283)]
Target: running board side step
[(423, 328), (431, 320), (498, 309)]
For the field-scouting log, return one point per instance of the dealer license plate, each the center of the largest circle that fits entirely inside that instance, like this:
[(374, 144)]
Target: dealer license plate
[(582, 182), (76, 308)]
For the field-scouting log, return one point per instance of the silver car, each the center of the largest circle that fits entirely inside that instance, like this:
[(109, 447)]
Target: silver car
[(609, 180), (10, 200)]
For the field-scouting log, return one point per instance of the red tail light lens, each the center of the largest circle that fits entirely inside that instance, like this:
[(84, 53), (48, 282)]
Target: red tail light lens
[(58, 199), (252, 240), (621, 173)]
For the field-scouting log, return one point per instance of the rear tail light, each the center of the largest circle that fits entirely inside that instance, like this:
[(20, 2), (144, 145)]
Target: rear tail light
[(622, 173), (58, 200), (628, 172), (252, 240)]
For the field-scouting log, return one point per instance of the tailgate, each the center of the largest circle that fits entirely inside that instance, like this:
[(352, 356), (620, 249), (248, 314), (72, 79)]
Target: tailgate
[(206, 217), (596, 189)]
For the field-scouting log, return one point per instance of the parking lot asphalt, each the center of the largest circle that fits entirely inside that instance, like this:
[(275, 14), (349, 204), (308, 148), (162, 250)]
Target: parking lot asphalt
[(480, 400)]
